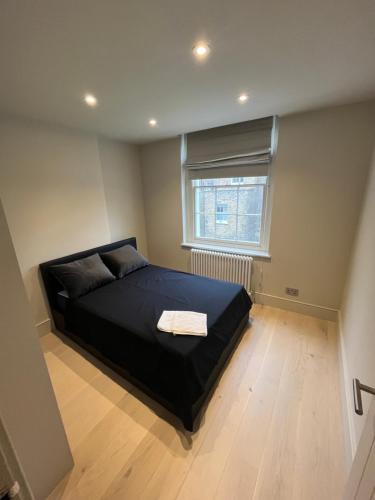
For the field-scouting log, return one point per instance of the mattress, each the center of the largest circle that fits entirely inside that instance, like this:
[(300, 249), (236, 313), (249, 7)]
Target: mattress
[(119, 320)]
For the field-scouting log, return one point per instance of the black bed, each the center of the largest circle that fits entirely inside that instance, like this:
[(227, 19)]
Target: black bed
[(117, 323)]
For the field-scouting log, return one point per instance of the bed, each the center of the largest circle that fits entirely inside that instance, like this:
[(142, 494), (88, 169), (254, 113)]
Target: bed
[(117, 324)]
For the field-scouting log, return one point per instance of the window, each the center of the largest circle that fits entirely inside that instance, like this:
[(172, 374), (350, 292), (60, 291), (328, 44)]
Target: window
[(229, 211), (226, 184)]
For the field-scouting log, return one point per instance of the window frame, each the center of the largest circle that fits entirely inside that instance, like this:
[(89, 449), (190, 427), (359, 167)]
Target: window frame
[(227, 187), (188, 213), (189, 223)]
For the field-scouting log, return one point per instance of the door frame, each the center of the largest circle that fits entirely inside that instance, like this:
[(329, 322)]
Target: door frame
[(10, 468)]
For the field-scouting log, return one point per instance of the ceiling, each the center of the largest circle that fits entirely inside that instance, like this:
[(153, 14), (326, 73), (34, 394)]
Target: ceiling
[(135, 56)]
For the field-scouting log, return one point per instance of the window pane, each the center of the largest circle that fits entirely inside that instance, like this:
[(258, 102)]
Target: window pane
[(229, 181), (227, 231), (250, 200), (229, 209), (249, 228), (221, 213), (238, 180), (204, 226), (227, 197), (205, 200)]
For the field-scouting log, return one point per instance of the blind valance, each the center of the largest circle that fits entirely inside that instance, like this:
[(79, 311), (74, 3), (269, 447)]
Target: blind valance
[(245, 143), (234, 171)]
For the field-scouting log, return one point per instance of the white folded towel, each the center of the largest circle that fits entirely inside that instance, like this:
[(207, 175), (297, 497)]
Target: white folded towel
[(183, 323)]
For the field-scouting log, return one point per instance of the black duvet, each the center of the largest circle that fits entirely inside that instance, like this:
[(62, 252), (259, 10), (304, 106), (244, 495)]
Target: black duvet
[(120, 321)]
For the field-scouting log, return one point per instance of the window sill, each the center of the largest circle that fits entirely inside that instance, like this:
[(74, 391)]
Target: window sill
[(240, 251)]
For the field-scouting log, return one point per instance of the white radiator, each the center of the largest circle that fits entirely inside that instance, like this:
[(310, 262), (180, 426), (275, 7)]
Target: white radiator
[(222, 266)]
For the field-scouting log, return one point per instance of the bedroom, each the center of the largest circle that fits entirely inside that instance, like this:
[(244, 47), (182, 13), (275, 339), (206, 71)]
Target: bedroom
[(107, 111)]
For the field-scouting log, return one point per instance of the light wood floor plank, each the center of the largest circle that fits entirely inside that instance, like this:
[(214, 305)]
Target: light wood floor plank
[(277, 468), (271, 431), (210, 459), (242, 465)]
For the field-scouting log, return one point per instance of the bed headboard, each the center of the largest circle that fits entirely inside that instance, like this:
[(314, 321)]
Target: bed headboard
[(52, 285)]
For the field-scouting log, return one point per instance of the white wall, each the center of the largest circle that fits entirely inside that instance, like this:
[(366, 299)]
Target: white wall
[(358, 312), (61, 192), (160, 164), (319, 176), (28, 409), (123, 190)]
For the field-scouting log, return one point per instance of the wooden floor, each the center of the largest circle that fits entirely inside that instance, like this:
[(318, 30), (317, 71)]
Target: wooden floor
[(272, 430)]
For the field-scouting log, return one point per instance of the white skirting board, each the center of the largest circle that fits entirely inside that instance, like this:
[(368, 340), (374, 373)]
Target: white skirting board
[(43, 327), (346, 399), (318, 311)]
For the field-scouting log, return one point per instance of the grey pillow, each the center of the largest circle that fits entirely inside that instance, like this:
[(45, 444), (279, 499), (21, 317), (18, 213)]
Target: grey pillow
[(123, 260), (82, 276)]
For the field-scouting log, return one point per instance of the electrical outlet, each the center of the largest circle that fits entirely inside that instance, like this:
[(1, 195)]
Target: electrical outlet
[(294, 292)]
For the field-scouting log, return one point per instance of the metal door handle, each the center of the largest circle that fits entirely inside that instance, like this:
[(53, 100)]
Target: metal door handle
[(357, 388)]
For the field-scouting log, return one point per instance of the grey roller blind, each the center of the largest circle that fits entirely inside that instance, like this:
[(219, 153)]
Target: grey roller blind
[(246, 143)]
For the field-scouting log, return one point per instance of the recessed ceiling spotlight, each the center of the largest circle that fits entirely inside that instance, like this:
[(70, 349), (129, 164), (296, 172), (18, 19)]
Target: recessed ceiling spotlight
[(201, 50), (91, 100), (152, 122), (243, 98)]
